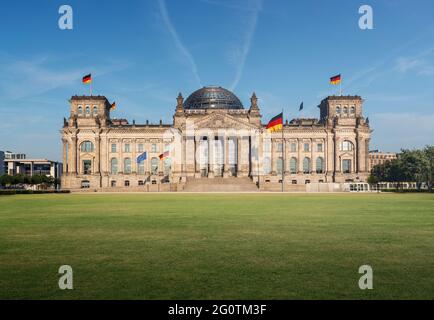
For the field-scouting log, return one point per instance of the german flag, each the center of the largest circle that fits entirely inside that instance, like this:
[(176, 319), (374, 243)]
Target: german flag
[(336, 79), (275, 124), (87, 79)]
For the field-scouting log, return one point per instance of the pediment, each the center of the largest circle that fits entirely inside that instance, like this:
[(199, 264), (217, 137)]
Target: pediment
[(222, 121)]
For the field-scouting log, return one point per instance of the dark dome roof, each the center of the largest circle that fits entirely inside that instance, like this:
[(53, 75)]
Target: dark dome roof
[(213, 98)]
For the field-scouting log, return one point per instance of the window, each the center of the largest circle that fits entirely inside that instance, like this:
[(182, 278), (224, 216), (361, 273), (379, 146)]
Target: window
[(141, 167), (306, 147), (95, 110), (319, 147), (140, 147), (319, 165), (346, 166), (87, 110), (353, 110), (346, 145), (85, 184), (267, 146), (80, 110), (307, 182), (113, 183), (127, 147), (293, 147), (279, 147), (154, 165), (306, 165), (114, 147), (294, 181), (127, 165), (267, 165), (345, 110), (279, 165), (141, 183), (114, 166), (127, 183), (338, 109), (293, 165), (87, 166), (154, 148), (167, 165), (87, 146)]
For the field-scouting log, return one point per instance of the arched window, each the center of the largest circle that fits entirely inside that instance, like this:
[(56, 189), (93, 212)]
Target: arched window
[(127, 165), (87, 146), (345, 110), (167, 166), (306, 165), (346, 145), (293, 165), (80, 110), (353, 110), (87, 110), (279, 165), (114, 166), (267, 165), (319, 165), (95, 110), (338, 109), (154, 165)]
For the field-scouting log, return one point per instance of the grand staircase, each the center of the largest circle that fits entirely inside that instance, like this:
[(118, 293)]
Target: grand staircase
[(231, 184)]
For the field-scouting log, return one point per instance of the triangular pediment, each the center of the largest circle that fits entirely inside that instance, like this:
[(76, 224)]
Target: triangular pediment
[(218, 120)]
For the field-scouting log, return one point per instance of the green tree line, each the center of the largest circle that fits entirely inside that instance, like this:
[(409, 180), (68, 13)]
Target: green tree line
[(410, 166)]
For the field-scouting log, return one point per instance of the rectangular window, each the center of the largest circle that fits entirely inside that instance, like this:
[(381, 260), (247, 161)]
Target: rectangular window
[(140, 147), (293, 147), (154, 148), (279, 147), (113, 147), (87, 166), (127, 147), (320, 147), (346, 166), (267, 146), (306, 147)]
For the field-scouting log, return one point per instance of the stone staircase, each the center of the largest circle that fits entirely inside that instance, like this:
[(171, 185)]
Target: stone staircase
[(231, 184)]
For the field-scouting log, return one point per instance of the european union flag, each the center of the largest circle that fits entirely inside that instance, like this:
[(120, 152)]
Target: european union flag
[(142, 157), (301, 106)]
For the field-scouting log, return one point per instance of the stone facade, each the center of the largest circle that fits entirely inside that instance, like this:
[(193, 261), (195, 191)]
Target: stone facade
[(213, 142)]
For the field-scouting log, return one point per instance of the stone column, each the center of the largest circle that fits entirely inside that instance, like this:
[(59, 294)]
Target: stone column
[(226, 156), (312, 160), (300, 156), (239, 150), (74, 155), (211, 156), (65, 158), (97, 165)]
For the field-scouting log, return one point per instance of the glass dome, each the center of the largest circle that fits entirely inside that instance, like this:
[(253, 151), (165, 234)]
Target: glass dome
[(213, 98)]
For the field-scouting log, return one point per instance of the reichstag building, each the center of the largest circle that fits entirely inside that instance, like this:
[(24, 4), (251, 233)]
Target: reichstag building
[(213, 144)]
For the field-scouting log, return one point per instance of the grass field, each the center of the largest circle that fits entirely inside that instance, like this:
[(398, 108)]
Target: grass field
[(217, 246)]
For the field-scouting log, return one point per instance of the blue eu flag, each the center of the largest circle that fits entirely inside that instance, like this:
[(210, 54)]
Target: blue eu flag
[(142, 157)]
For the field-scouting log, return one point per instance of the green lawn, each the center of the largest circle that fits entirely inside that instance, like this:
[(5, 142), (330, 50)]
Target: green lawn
[(217, 246)]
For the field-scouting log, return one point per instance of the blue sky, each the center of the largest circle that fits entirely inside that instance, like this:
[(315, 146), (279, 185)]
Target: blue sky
[(142, 53)]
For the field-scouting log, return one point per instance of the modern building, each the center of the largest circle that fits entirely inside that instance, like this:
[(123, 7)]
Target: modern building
[(213, 139), (19, 164), (377, 157), (2, 163)]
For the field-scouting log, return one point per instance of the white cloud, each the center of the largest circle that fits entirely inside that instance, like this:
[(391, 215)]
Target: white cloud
[(178, 43), (239, 56), (25, 78)]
